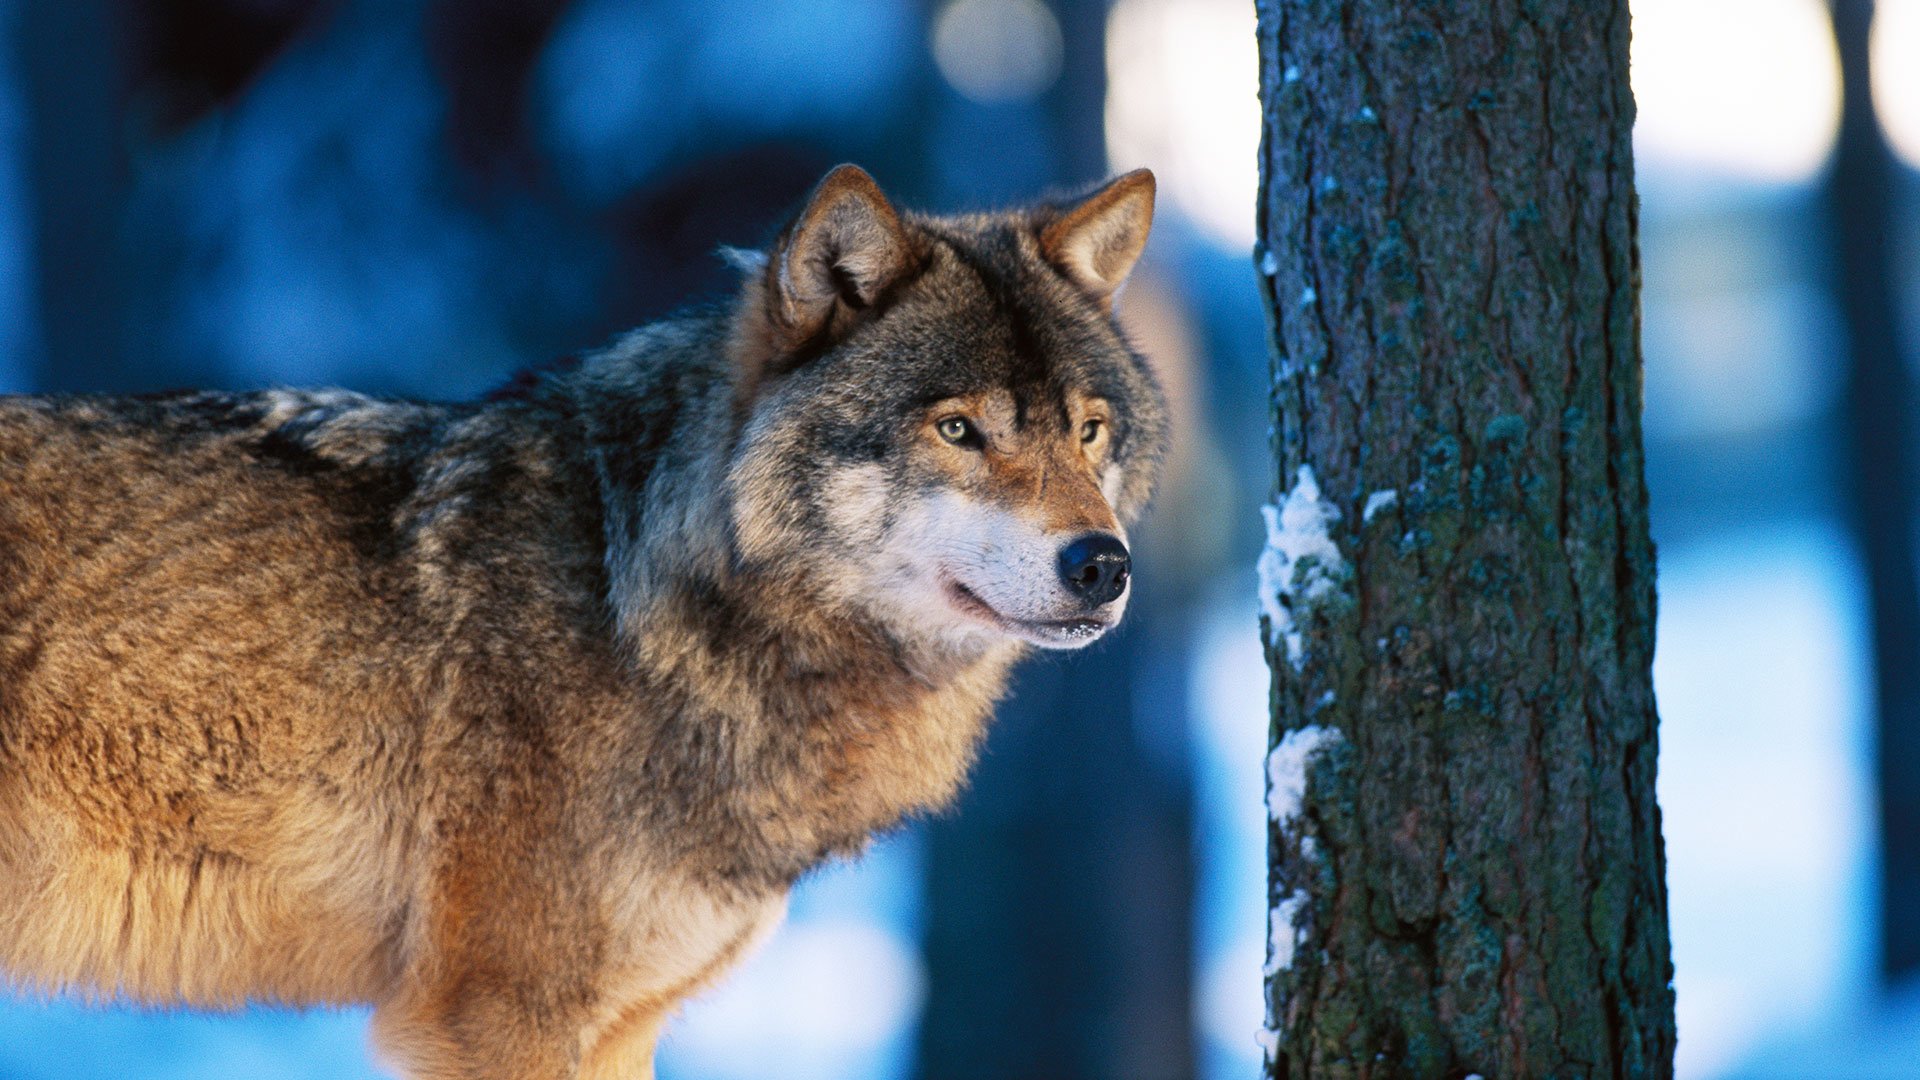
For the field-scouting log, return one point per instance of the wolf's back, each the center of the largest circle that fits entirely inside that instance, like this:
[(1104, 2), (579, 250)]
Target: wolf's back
[(201, 514), (193, 618)]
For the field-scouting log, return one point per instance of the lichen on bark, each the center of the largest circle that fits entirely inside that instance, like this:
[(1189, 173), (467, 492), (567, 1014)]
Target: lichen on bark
[(1473, 879)]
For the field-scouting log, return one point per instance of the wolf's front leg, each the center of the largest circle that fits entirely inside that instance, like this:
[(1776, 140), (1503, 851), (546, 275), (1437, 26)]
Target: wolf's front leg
[(473, 1028), (625, 1051), (496, 1036), (503, 965), (476, 1024)]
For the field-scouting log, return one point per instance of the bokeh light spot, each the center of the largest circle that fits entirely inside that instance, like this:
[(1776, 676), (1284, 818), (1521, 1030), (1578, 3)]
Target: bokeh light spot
[(997, 50), (1183, 99), (1748, 89), (1895, 62)]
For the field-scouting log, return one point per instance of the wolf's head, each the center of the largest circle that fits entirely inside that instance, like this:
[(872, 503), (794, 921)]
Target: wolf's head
[(941, 425)]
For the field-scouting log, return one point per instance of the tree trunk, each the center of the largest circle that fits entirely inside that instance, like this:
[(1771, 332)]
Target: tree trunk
[(1467, 873)]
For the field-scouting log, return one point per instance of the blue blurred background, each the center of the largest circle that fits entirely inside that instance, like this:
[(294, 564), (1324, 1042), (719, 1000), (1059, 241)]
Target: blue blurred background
[(421, 196)]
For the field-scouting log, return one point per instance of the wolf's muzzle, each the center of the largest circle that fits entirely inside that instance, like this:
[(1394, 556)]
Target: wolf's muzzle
[(1095, 568)]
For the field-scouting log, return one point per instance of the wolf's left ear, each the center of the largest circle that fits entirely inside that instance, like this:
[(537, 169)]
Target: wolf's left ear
[(1096, 241)]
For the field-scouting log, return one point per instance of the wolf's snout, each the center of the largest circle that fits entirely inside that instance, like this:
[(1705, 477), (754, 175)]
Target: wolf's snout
[(1095, 568)]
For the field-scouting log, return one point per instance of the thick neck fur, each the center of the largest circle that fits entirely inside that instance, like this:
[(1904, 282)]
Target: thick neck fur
[(796, 725)]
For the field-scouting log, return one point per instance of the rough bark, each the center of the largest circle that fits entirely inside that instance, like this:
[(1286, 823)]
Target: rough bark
[(1879, 438), (1467, 870)]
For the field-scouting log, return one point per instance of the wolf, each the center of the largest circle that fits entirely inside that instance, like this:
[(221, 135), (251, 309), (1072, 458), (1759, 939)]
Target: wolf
[(517, 719)]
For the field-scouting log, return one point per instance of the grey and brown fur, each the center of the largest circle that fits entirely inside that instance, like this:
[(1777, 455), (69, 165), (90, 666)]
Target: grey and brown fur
[(517, 719)]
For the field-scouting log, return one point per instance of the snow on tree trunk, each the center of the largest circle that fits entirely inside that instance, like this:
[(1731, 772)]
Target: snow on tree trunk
[(1467, 874)]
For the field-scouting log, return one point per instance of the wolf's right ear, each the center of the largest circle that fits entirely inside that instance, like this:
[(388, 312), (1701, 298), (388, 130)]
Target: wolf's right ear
[(834, 262), (837, 257)]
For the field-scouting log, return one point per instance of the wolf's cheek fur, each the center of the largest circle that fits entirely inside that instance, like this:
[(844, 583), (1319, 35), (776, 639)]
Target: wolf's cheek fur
[(1112, 484), (857, 501)]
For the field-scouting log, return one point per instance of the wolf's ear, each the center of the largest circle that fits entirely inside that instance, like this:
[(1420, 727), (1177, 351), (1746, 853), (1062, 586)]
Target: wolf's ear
[(837, 257), (1096, 241), (835, 261)]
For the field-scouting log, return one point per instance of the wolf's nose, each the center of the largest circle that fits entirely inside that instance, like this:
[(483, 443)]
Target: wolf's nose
[(1095, 568)]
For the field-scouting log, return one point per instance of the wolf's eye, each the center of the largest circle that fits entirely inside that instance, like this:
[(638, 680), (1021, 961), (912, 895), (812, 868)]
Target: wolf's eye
[(959, 431), (1090, 431)]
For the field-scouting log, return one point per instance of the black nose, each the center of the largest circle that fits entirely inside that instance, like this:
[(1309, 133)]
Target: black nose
[(1095, 568)]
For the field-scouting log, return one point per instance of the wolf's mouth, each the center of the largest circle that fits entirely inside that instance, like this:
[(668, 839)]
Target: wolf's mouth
[(1051, 633)]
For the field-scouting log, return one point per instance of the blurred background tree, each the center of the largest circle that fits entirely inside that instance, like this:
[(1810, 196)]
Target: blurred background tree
[(1863, 223)]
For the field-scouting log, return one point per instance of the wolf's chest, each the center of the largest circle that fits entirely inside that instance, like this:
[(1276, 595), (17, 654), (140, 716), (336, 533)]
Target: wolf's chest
[(866, 771), (678, 938)]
